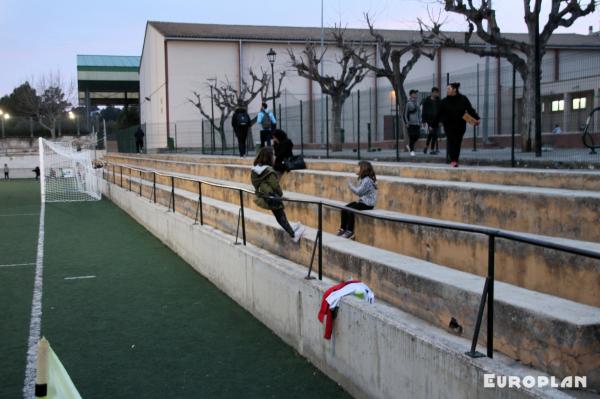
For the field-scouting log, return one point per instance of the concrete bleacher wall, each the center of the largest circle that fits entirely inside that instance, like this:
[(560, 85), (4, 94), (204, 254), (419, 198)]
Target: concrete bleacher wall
[(376, 351)]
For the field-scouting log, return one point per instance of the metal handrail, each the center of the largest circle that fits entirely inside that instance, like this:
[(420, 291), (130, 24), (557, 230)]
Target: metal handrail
[(586, 134), (487, 296)]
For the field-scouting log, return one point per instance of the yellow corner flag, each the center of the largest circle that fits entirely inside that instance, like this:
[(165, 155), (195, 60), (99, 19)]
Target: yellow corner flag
[(52, 380)]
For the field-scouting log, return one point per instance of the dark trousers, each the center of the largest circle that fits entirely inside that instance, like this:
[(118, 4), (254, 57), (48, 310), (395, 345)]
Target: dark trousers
[(139, 144), (5, 175), (242, 136), (282, 220), (265, 137), (432, 137), (413, 135), (348, 217), (454, 142)]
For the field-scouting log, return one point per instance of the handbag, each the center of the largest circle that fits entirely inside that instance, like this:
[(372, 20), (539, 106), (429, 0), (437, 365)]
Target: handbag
[(295, 162), (469, 119)]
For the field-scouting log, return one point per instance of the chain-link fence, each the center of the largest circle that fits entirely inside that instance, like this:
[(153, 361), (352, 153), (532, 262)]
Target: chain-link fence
[(570, 91)]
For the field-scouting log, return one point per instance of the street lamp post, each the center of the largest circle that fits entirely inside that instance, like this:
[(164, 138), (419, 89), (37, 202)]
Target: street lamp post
[(271, 55), (3, 116), (212, 121)]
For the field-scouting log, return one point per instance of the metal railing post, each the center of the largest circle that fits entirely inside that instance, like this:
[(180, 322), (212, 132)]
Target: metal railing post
[(490, 296), (173, 192), (154, 186), (320, 237), (326, 126), (242, 215), (121, 176), (358, 124), (130, 176), (140, 183), (114, 176), (301, 131)]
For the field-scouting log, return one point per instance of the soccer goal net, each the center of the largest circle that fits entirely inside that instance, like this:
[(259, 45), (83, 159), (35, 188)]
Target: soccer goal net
[(67, 173)]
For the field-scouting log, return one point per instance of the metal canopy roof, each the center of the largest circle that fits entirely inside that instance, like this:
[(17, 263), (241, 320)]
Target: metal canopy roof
[(109, 79)]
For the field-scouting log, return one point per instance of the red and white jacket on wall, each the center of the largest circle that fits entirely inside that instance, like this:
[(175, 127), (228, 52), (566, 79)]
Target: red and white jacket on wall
[(332, 297)]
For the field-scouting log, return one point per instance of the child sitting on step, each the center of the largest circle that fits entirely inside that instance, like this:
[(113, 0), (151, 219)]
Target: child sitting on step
[(268, 192), (366, 189)]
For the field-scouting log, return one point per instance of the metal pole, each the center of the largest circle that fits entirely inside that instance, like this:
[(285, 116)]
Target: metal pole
[(212, 120), (320, 237), (2, 117), (513, 127), (279, 119), (397, 128), (175, 143), (202, 136), (243, 218), (322, 73), (473, 352), (121, 176), (538, 103), (140, 183), (327, 125), (358, 122), (369, 136), (301, 130), (200, 200), (490, 298), (273, 82), (173, 192), (154, 186)]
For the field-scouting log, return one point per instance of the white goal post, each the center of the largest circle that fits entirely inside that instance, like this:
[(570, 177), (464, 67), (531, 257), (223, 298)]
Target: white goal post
[(67, 173)]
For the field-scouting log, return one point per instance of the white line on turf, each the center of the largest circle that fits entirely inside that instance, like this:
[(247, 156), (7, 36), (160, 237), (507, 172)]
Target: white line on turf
[(36, 313), (79, 277), (18, 264)]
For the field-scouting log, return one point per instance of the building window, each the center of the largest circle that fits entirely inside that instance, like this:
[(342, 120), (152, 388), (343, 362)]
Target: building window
[(558, 105), (579, 103)]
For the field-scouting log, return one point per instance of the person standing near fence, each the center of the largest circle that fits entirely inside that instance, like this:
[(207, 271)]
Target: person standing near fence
[(36, 170), (431, 106), (240, 122), (268, 192), (455, 110), (6, 171), (412, 119), (267, 121), (139, 139)]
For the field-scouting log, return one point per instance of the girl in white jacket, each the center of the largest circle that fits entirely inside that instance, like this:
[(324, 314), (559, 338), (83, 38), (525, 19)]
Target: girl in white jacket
[(366, 189)]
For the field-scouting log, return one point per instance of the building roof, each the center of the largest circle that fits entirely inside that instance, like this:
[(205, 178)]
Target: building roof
[(176, 30), (108, 61)]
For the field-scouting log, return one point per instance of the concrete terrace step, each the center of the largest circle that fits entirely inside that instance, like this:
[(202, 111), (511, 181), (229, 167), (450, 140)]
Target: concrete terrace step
[(566, 179), (553, 334), (549, 271), (564, 213)]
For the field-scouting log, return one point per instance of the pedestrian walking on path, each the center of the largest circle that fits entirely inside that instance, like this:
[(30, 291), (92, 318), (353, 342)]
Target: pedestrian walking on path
[(455, 111)]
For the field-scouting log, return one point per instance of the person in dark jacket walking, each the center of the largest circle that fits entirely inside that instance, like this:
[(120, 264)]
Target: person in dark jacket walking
[(37, 172), (283, 147), (412, 119), (139, 139), (453, 111), (268, 192), (431, 106), (241, 122)]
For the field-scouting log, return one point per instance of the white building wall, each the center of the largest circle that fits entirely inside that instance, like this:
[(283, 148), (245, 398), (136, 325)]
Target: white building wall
[(153, 113)]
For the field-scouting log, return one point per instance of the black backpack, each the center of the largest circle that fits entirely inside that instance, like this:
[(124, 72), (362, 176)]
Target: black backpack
[(243, 119), (267, 123)]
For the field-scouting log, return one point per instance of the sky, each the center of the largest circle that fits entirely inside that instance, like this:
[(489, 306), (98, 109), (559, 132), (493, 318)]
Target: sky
[(42, 37)]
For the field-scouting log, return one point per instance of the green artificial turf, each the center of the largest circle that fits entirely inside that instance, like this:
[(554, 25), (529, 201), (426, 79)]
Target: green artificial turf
[(147, 325)]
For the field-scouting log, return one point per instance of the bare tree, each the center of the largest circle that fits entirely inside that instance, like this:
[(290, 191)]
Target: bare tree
[(48, 102), (338, 87), (227, 98), (521, 54), (391, 63)]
